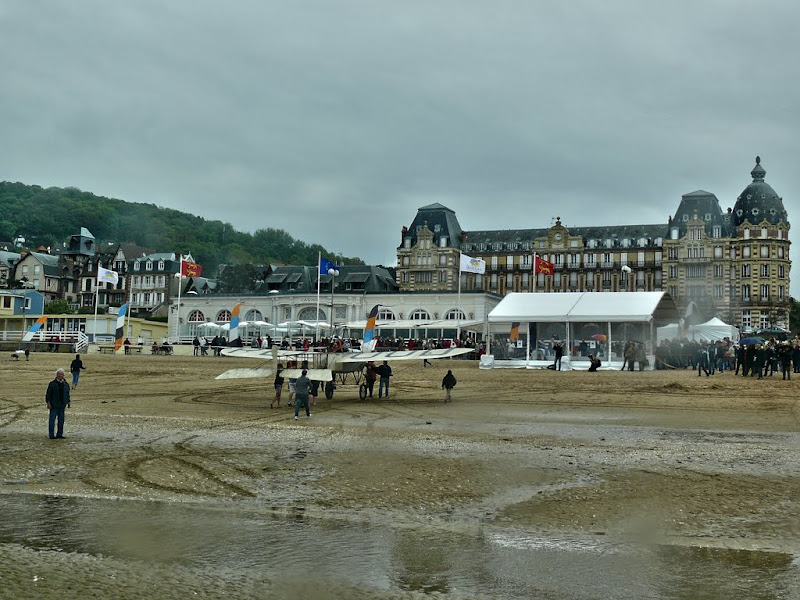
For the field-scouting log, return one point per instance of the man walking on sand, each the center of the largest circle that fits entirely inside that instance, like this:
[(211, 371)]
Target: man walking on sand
[(57, 400), (448, 383), (301, 387)]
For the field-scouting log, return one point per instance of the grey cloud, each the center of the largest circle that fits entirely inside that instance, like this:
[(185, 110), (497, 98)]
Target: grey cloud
[(337, 120)]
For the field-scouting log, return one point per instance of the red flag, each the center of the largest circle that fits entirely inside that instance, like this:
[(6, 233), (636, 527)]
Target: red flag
[(190, 269), (543, 266)]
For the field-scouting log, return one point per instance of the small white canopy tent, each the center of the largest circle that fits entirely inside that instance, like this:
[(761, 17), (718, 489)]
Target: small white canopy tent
[(574, 309), (712, 331)]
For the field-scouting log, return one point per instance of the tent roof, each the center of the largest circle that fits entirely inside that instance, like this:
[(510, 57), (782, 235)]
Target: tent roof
[(580, 307)]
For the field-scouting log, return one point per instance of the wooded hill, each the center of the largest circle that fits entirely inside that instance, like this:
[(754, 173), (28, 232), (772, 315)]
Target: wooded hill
[(47, 217)]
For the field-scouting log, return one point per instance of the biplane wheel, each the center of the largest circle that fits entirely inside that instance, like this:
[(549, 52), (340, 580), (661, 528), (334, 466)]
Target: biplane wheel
[(362, 391), (329, 387)]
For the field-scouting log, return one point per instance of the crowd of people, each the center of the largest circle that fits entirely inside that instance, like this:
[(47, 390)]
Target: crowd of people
[(751, 360)]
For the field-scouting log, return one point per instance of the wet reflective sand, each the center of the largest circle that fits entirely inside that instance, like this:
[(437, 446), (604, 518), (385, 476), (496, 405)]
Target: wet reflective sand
[(530, 484)]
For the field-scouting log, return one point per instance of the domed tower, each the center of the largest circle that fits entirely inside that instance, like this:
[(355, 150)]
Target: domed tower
[(760, 256)]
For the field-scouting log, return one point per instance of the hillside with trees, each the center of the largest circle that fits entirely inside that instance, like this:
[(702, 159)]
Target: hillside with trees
[(49, 216)]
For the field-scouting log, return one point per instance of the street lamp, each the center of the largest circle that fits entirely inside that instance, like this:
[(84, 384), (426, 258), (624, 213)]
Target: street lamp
[(333, 273)]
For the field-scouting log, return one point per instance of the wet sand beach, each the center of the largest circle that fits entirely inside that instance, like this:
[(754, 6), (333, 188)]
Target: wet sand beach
[(524, 459)]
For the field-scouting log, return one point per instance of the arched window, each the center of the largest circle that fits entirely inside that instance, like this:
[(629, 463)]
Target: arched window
[(223, 316), (309, 313), (455, 314), (419, 315), (254, 315), (385, 314), (197, 316)]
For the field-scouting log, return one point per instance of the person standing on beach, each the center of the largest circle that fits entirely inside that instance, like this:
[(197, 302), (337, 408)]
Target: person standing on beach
[(57, 400), (558, 351), (278, 386), (384, 372), (370, 376), (301, 387), (448, 383), (75, 368)]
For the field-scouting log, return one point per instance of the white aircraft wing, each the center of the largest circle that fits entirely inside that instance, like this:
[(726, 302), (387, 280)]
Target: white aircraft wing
[(362, 357), (312, 374), (245, 374), (260, 353)]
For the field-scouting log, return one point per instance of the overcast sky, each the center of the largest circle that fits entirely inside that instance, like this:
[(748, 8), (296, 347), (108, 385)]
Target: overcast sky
[(336, 119)]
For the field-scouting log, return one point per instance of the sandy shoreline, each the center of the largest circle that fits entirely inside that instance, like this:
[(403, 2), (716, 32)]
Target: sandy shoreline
[(658, 456)]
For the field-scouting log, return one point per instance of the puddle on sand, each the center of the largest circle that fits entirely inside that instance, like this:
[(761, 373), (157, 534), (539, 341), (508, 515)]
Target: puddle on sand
[(240, 550)]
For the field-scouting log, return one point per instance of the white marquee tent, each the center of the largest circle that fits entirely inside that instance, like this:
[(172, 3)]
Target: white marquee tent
[(712, 331), (633, 314)]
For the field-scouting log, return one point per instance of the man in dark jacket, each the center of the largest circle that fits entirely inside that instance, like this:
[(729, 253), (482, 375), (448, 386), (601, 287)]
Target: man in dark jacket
[(384, 372), (757, 362), (448, 383), (57, 400)]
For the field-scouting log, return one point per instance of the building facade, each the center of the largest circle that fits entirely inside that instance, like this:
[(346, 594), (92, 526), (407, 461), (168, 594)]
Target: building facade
[(733, 265)]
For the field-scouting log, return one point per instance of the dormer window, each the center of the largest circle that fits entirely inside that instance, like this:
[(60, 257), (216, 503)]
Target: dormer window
[(149, 265), (739, 212), (674, 233), (755, 212), (708, 216), (161, 265), (437, 228), (136, 266), (685, 218), (407, 243)]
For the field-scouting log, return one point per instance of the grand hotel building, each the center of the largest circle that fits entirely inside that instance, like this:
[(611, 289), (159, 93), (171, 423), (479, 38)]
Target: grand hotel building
[(732, 264)]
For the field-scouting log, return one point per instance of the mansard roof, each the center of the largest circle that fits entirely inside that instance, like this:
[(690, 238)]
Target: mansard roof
[(705, 206), (440, 220), (303, 279), (511, 239)]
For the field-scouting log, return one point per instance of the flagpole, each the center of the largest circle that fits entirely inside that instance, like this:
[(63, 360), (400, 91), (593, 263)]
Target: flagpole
[(127, 315), (534, 271), (96, 302), (458, 302), (178, 312), (319, 280)]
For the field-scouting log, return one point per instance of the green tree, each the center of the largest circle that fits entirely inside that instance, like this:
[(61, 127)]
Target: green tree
[(237, 278), (57, 307)]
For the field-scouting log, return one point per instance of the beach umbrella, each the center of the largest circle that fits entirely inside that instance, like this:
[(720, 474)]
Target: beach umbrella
[(751, 341), (599, 337)]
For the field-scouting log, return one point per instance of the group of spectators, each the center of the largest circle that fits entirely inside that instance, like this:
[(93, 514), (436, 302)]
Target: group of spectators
[(753, 360)]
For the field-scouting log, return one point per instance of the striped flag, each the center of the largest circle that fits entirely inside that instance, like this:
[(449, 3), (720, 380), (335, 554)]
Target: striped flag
[(235, 321), (34, 329), (120, 326), (369, 331)]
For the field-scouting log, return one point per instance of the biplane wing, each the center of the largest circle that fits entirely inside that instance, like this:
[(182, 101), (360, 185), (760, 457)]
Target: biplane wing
[(261, 353), (362, 357)]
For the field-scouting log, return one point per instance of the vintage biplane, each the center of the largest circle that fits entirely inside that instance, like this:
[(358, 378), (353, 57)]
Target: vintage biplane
[(331, 368)]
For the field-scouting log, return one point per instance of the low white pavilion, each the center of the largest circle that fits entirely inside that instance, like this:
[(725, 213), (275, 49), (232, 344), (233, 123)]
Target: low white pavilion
[(524, 326)]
